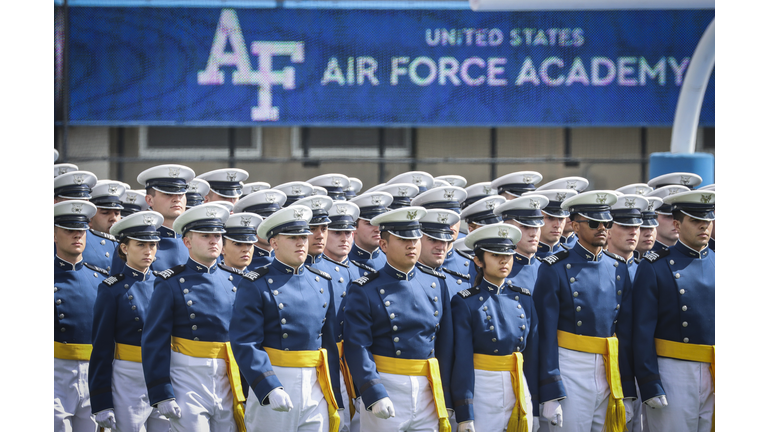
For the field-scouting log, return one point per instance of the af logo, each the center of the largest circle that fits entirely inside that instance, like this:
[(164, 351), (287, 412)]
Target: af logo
[(270, 197), (706, 198), (442, 218), (77, 208), (131, 199), (376, 200), (675, 190), (570, 184), (341, 209), (149, 220), (490, 205), (245, 221), (417, 179), (448, 194), (534, 204), (685, 180), (640, 190), (78, 179), (336, 181), (316, 204), (411, 215), (629, 203), (528, 179), (503, 232), (560, 196), (112, 189), (211, 212), (174, 172), (402, 191), (487, 190), (298, 214), (228, 31), (601, 198), (296, 190), (231, 176), (193, 187)]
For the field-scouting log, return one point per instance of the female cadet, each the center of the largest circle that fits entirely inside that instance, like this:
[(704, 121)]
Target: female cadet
[(495, 328), (118, 393), (119, 398)]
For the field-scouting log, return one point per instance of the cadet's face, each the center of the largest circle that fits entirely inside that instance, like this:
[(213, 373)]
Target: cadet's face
[(367, 236), (104, 219), (317, 239), (401, 254), (552, 229), (622, 240), (496, 266), (666, 232), (290, 250), (339, 244), (433, 251), (236, 254), (589, 237), (69, 243), (694, 233), (529, 242), (139, 254), (455, 229), (169, 205), (213, 197), (646, 239), (203, 247)]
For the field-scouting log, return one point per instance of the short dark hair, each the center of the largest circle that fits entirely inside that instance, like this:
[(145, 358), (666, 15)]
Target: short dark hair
[(678, 215), (151, 191), (385, 235)]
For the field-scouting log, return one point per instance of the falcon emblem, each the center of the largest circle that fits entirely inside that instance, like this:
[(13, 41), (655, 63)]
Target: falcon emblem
[(193, 187), (210, 212), (673, 191), (640, 191), (570, 184), (245, 221), (298, 214), (417, 180), (402, 191), (706, 198), (174, 172), (686, 180), (149, 220), (560, 196), (490, 205), (442, 218), (411, 215), (629, 203), (270, 197), (131, 199), (112, 189), (487, 190), (376, 200), (341, 209), (231, 176), (336, 181), (78, 179), (534, 204), (601, 198), (316, 204), (77, 208), (296, 190), (527, 179), (448, 194), (504, 232)]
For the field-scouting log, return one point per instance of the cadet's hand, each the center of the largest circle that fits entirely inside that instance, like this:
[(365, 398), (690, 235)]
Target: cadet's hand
[(467, 426), (536, 425), (629, 409), (383, 408), (279, 400), (106, 418), (169, 409), (657, 402), (552, 411)]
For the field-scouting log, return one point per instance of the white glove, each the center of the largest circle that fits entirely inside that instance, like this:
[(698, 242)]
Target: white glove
[(383, 408), (657, 402), (552, 411), (629, 409), (105, 418), (170, 409), (358, 402), (536, 424), (467, 426), (279, 400), (450, 413)]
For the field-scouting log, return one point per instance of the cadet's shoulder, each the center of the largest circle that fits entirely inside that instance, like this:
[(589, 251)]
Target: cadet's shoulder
[(363, 280), (103, 235), (230, 269), (171, 272), (96, 269), (256, 273), (469, 292), (616, 257), (464, 254), (364, 266), (555, 258), (319, 272), (653, 256), (430, 271), (112, 280), (457, 274), (518, 289)]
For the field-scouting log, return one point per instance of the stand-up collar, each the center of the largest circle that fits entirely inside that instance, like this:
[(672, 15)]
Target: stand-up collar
[(397, 274)]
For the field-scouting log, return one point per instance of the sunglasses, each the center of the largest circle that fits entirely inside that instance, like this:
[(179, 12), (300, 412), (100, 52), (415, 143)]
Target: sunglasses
[(595, 224)]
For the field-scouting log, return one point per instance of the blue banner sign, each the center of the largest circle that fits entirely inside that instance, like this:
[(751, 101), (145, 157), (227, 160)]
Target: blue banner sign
[(214, 66)]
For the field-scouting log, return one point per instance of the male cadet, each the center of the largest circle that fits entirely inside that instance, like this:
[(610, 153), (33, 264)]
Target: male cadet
[(190, 372), (666, 232), (283, 327), (578, 296), (354, 188), (237, 245), (398, 350), (402, 193), (475, 192), (513, 185), (423, 180), (481, 212), (197, 192), (579, 184), (448, 198), (250, 188), (75, 284), (437, 238), (318, 226), (453, 180), (101, 246), (334, 185), (674, 321), (648, 227), (555, 220), (294, 191), (73, 185), (133, 201), (624, 236), (525, 214), (166, 186), (226, 184), (365, 253), (712, 236), (263, 203)]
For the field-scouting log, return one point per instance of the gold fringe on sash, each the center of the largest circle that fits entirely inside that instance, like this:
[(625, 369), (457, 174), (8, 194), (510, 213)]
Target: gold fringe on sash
[(513, 363), (616, 417), (417, 367), (347, 379)]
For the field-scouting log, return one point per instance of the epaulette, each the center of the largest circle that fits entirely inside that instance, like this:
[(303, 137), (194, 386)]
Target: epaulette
[(464, 254), (364, 266), (166, 274), (103, 235), (255, 274), (457, 274), (614, 256), (365, 279), (430, 271), (514, 288), (113, 279), (653, 256), (231, 269), (469, 292), (318, 272), (97, 269), (551, 259), (335, 262)]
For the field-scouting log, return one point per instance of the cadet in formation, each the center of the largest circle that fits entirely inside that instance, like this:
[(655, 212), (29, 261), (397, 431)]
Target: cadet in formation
[(263, 202), (237, 245), (524, 213)]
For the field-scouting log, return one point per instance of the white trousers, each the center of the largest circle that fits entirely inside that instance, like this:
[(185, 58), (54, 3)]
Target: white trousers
[(71, 399), (133, 413), (203, 392), (690, 394), (494, 399), (310, 410), (587, 391), (415, 409)]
